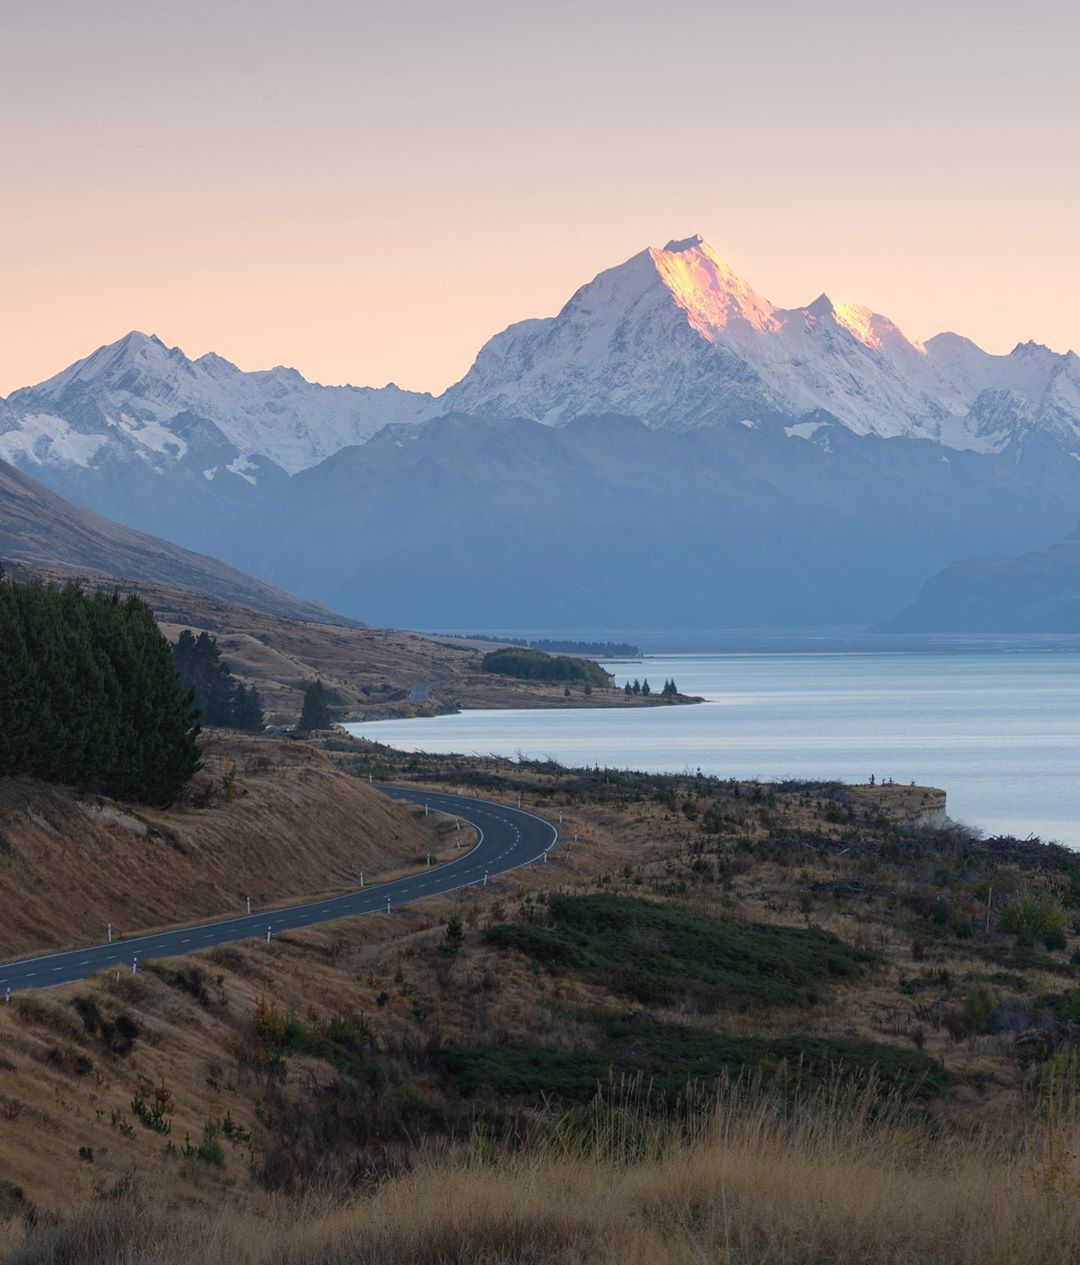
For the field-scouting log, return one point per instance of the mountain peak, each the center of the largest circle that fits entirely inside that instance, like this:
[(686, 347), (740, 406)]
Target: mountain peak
[(713, 296), (821, 306), (136, 338), (687, 243)]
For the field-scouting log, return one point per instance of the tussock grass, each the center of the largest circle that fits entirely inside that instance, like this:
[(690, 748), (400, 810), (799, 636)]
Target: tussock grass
[(745, 1179)]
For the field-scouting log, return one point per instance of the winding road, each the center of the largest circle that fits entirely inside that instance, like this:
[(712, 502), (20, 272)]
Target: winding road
[(508, 838)]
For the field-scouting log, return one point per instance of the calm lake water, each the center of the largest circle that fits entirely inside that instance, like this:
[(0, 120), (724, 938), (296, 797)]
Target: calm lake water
[(999, 731)]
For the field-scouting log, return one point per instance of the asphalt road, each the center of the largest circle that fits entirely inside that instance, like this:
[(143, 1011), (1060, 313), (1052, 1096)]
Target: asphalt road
[(509, 837)]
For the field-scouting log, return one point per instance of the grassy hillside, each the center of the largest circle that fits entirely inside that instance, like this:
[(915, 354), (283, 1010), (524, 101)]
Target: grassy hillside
[(732, 1022), (266, 819)]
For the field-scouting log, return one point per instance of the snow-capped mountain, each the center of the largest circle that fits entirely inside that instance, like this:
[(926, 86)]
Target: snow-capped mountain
[(139, 397), (676, 338), (816, 458)]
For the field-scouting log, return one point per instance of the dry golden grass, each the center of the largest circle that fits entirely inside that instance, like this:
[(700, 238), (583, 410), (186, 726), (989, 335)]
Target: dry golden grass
[(754, 1184), (292, 824)]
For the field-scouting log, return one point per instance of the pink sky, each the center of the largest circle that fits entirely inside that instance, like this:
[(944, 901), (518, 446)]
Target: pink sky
[(369, 191)]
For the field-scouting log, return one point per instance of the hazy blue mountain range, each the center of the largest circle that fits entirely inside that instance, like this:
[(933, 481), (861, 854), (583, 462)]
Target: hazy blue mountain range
[(1036, 592), (671, 447), (604, 522)]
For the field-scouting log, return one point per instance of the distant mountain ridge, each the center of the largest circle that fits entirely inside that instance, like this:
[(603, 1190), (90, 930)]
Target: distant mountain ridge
[(1038, 592)]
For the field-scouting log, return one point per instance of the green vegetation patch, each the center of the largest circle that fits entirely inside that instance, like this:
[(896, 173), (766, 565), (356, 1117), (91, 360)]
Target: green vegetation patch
[(1064, 1006), (670, 1056), (656, 952), (535, 665), (344, 1042)]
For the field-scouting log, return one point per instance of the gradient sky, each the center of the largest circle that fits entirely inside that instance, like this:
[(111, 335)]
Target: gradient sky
[(368, 191)]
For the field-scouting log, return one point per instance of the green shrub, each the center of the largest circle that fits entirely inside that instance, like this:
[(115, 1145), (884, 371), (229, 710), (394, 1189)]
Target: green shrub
[(656, 952), (669, 1056), (979, 1004), (1065, 1006), (1033, 912)]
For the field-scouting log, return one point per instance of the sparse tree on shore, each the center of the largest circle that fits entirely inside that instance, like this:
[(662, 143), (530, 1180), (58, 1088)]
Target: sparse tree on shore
[(316, 713)]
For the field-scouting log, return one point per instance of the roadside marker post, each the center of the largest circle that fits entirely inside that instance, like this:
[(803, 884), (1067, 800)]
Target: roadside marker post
[(110, 932), (361, 878), (485, 878), (249, 904), (134, 966), (7, 997), (388, 904), (268, 929)]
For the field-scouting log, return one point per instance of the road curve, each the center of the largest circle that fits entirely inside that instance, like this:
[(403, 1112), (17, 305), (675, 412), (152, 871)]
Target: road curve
[(508, 838)]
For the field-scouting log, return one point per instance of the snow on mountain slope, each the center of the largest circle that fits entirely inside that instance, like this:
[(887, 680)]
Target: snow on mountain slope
[(675, 337), (138, 397), (1031, 390), (672, 336)]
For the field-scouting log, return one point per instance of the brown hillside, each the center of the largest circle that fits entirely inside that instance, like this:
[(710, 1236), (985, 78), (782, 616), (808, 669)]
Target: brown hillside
[(41, 528), (294, 825)]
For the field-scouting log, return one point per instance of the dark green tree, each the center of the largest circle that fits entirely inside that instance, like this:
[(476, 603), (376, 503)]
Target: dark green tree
[(89, 695), (247, 710), (203, 671), (316, 713), (452, 939)]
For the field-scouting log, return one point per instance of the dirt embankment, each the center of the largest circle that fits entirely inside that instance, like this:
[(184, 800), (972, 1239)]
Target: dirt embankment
[(267, 818)]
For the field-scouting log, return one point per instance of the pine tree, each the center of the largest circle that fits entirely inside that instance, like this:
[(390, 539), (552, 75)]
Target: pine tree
[(247, 710), (316, 713), (637, 686), (201, 668), (628, 689), (645, 689), (89, 695)]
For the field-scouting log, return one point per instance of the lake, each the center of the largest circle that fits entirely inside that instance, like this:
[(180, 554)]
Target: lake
[(998, 730)]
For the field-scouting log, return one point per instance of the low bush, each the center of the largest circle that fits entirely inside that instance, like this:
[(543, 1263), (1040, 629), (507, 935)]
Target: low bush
[(656, 952), (670, 1057)]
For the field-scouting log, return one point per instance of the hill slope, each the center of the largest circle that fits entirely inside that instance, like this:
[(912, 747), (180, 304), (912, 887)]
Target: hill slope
[(39, 526), (1038, 592)]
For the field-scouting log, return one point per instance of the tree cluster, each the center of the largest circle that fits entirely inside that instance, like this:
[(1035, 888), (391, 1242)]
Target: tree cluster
[(643, 687), (535, 665), (89, 696), (220, 699)]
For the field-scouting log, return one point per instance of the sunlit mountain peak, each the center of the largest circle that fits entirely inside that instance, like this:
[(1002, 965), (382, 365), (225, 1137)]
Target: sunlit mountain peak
[(708, 290)]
